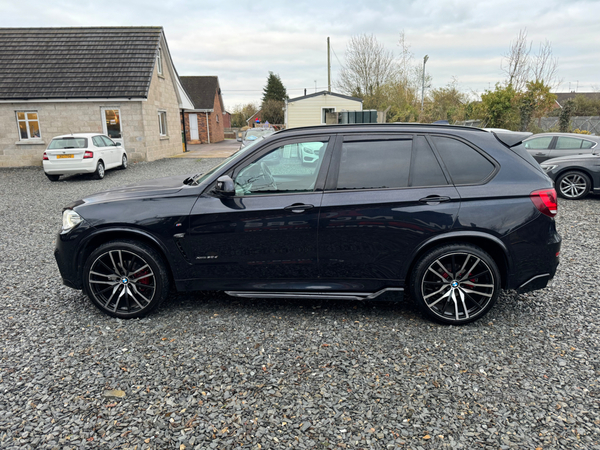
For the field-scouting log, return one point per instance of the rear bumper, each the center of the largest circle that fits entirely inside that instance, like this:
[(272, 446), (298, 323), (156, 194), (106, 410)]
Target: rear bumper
[(69, 168)]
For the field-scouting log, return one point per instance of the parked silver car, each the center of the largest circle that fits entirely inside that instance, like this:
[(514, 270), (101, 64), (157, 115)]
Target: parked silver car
[(544, 146)]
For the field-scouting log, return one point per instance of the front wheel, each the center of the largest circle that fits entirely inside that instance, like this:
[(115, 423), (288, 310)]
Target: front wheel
[(455, 284), (123, 162), (125, 279), (573, 185)]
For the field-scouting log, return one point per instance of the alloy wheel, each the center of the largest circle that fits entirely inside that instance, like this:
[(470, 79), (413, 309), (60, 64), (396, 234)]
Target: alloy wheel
[(122, 282), (458, 286), (573, 185)]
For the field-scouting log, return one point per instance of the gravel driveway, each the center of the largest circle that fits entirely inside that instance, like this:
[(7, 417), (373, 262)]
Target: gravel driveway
[(209, 371)]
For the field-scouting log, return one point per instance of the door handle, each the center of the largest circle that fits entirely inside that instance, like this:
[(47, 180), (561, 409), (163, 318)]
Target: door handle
[(298, 207), (539, 154), (434, 199)]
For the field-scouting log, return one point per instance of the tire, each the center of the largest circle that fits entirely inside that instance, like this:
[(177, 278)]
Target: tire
[(53, 177), (100, 171), (126, 279), (123, 165), (573, 185), (455, 284)]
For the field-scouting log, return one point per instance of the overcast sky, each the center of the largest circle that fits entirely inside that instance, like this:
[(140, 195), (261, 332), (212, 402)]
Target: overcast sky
[(241, 42)]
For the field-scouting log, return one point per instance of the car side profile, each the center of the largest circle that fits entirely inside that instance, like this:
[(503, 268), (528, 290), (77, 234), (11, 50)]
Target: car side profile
[(451, 215), (545, 146), (575, 176), (72, 154)]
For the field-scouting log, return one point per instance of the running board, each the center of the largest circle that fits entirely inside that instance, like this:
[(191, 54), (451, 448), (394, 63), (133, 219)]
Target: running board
[(304, 294)]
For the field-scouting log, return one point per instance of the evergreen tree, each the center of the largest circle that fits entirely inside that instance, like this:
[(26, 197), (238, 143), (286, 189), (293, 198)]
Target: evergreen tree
[(274, 90)]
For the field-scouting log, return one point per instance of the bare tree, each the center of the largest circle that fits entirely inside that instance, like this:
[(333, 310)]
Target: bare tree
[(544, 66), (368, 66), (520, 66), (515, 63)]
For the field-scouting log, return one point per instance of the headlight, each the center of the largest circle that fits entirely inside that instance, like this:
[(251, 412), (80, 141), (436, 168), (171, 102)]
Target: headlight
[(70, 219), (549, 168)]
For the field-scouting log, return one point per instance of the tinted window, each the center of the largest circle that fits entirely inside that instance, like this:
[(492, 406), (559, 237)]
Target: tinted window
[(541, 143), (465, 164), (282, 170), (375, 164), (426, 170), (68, 143)]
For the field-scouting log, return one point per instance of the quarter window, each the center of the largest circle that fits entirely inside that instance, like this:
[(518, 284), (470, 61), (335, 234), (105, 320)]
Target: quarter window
[(162, 123), (287, 169), (465, 164), (29, 125), (426, 170), (375, 164)]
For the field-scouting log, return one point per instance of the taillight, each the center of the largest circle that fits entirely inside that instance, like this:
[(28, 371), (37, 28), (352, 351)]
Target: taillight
[(45, 157), (88, 155), (545, 201)]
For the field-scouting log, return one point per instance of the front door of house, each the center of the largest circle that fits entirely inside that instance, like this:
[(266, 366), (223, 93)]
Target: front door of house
[(111, 124), (193, 119)]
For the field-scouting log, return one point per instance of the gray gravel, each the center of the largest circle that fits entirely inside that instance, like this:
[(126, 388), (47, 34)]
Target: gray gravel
[(211, 372)]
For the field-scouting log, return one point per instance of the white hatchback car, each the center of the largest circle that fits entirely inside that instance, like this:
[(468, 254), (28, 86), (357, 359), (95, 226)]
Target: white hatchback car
[(82, 153)]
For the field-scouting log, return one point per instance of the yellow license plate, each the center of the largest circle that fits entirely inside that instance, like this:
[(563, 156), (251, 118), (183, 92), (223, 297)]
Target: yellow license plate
[(64, 156)]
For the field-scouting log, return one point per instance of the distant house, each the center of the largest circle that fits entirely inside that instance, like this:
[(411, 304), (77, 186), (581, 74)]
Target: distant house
[(114, 80), (562, 97), (254, 119), (204, 122), (312, 109)]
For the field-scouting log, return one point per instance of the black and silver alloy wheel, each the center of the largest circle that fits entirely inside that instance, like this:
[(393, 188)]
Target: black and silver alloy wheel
[(456, 284), (99, 173), (573, 185), (125, 279), (124, 162)]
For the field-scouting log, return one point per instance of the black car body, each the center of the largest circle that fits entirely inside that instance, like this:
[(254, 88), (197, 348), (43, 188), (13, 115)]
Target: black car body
[(454, 214), (574, 176)]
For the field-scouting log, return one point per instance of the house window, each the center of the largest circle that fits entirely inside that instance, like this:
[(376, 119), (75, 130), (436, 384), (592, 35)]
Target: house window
[(325, 112), (162, 123), (159, 65), (217, 118), (29, 125)]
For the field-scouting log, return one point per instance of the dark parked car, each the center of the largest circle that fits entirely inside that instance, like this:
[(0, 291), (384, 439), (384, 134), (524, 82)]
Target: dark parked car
[(574, 176), (451, 214), (544, 146)]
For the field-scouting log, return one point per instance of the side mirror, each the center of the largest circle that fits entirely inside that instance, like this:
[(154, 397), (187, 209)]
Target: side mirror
[(118, 144), (225, 186), (239, 139)]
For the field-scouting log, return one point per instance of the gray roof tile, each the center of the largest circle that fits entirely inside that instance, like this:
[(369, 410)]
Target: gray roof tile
[(59, 63)]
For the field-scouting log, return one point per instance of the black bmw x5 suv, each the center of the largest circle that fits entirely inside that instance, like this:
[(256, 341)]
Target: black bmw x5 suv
[(451, 215)]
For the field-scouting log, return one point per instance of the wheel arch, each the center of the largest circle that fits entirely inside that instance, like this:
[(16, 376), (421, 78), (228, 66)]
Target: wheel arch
[(490, 244), (105, 235)]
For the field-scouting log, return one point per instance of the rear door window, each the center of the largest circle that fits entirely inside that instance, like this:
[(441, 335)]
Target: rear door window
[(541, 143), (426, 170), (464, 164), (374, 164), (568, 142)]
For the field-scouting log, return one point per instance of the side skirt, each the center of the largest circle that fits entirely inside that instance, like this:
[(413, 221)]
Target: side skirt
[(321, 295)]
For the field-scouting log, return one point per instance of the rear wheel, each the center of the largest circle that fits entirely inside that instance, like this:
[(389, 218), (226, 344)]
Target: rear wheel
[(455, 284), (53, 177), (126, 279), (99, 173), (573, 185)]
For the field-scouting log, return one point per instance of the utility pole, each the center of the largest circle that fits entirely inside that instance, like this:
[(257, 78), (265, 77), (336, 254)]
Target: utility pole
[(328, 67), (423, 87)]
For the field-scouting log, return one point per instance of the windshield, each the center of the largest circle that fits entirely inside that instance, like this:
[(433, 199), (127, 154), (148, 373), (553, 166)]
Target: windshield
[(254, 133), (237, 155), (67, 142)]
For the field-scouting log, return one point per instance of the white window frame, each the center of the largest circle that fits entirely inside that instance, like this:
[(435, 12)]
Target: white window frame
[(323, 108), (26, 121), (162, 123), (159, 63)]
